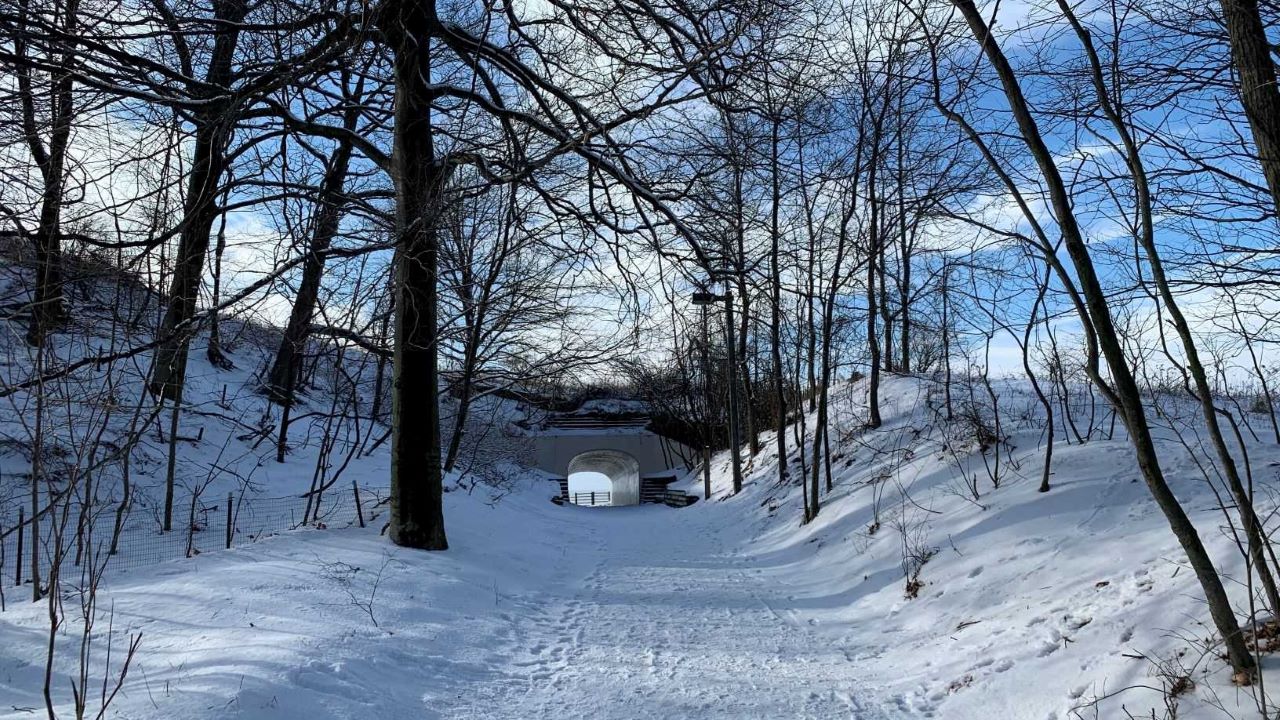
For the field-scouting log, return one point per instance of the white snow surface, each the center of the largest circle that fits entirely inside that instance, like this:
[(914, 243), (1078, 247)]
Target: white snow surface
[(1033, 606)]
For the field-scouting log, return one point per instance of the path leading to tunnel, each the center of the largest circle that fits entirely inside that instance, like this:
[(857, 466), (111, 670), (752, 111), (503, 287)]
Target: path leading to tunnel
[(656, 618), (537, 611)]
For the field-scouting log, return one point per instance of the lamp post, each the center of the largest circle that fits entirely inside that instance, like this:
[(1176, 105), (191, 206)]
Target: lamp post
[(704, 299)]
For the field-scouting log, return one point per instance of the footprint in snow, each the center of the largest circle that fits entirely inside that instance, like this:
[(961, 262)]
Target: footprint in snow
[(1075, 622)]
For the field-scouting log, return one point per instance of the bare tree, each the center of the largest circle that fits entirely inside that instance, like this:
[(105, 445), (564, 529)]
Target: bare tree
[(1122, 391)]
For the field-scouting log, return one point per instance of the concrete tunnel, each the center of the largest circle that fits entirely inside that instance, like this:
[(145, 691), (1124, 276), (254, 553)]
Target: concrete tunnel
[(621, 468)]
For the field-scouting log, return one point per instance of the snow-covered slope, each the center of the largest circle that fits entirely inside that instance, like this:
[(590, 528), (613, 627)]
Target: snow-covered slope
[(1031, 605), (1072, 603)]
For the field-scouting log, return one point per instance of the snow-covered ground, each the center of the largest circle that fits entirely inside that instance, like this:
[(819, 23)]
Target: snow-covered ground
[(539, 611), (1033, 606)]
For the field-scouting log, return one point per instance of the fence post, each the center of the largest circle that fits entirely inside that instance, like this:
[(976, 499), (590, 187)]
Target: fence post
[(355, 490), (228, 521), (17, 566)]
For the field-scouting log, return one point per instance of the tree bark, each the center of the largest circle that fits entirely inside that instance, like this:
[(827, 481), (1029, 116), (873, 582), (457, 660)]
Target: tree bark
[(735, 437), (213, 352), (417, 492), (1251, 56)]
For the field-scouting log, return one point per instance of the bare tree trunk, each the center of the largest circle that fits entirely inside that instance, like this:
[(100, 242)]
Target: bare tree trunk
[(37, 477), (417, 492), (706, 406), (329, 205), (873, 252), (945, 289), (1045, 402), (380, 371), (887, 356), (1251, 57), (208, 163), (811, 337), (775, 312), (465, 389), (1258, 370), (735, 438), (213, 352), (1124, 392), (748, 406), (1146, 236), (905, 250), (48, 308)]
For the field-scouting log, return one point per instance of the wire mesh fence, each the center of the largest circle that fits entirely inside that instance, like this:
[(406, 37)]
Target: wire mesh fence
[(113, 539)]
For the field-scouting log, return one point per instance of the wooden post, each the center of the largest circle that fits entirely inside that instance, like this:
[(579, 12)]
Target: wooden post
[(229, 520), (355, 490)]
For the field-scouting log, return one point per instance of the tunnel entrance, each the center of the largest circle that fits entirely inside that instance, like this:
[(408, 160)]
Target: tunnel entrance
[(603, 462), (604, 477)]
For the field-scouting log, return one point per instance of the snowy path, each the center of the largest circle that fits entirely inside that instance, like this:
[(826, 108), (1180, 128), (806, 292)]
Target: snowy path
[(656, 630), (536, 611)]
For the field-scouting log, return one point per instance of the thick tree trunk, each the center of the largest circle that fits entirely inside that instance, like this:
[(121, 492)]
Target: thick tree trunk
[(417, 514), (1251, 56), (48, 309)]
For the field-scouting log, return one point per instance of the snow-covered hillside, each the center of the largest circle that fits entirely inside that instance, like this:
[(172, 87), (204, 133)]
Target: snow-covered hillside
[(1073, 603)]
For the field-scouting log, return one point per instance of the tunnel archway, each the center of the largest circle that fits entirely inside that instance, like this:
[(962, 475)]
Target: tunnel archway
[(622, 469)]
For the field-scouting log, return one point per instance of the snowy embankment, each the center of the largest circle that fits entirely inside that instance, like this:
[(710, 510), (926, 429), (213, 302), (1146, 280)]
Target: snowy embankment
[(1031, 605), (1071, 603)]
